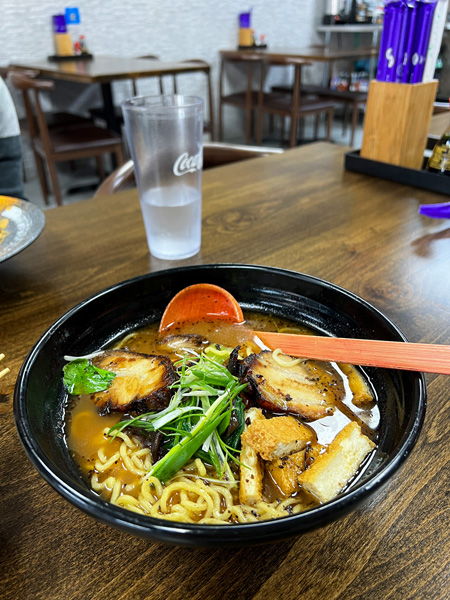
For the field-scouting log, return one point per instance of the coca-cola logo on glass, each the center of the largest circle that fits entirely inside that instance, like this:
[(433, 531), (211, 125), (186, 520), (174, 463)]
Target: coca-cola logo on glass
[(188, 164)]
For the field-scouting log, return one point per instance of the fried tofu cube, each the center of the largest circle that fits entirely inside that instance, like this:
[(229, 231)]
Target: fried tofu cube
[(252, 467), (331, 471), (277, 437), (362, 394), (285, 472), (312, 452)]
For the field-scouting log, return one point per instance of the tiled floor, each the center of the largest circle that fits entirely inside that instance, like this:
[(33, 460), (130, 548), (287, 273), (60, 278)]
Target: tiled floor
[(77, 182), (80, 182)]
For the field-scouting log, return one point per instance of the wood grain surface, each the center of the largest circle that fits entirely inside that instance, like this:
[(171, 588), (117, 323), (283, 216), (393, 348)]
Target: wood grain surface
[(104, 69), (298, 211), (315, 53)]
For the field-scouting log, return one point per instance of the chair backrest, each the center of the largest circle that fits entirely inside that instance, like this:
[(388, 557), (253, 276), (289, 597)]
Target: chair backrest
[(161, 85), (214, 154), (31, 88), (284, 61), (206, 69), (250, 59)]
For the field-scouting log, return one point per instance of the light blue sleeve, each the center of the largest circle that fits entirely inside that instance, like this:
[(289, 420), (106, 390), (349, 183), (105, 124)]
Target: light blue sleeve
[(9, 123)]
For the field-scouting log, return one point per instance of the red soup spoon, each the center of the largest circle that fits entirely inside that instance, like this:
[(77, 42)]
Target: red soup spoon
[(205, 302)]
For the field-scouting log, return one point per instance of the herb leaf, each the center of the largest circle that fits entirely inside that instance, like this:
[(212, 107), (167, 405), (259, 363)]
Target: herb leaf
[(198, 415), (234, 439), (82, 377)]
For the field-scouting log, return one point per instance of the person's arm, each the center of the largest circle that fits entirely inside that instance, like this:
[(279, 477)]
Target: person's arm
[(11, 166)]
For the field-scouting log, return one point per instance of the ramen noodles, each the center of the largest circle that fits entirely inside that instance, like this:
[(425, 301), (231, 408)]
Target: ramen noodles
[(208, 427)]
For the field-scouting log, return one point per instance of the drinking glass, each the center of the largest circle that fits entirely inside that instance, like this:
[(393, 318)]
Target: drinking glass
[(165, 136)]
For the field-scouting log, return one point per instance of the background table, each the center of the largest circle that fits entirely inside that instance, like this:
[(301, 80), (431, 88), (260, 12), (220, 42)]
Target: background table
[(438, 125), (300, 211), (320, 54), (313, 53), (106, 69)]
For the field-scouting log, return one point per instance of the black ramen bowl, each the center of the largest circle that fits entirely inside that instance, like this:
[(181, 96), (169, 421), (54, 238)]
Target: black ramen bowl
[(107, 316)]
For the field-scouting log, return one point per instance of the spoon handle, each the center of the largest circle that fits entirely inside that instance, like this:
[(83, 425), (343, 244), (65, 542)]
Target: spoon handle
[(428, 358)]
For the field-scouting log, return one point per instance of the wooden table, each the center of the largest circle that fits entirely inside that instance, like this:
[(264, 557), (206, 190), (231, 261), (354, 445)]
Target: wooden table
[(106, 69), (299, 210), (251, 56), (312, 53), (315, 53), (440, 122)]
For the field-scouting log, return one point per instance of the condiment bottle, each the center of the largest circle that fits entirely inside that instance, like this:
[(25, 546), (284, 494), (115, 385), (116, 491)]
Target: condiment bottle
[(439, 161)]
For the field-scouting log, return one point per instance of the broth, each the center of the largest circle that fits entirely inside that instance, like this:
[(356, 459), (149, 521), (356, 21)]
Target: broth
[(117, 468)]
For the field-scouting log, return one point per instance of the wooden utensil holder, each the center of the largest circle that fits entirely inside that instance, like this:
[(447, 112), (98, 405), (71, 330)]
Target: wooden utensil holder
[(397, 122)]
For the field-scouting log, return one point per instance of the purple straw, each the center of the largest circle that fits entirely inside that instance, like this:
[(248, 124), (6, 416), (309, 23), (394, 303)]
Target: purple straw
[(435, 211), (407, 66), (402, 50), (424, 21), (388, 57)]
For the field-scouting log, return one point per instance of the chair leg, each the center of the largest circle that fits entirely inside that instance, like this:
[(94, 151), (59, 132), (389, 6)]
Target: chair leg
[(354, 123), (248, 126), (345, 119), (316, 127), (100, 167), (220, 124), (282, 127), (119, 155), (212, 131), (300, 131), (42, 176), (259, 127), (293, 134), (330, 117), (55, 183)]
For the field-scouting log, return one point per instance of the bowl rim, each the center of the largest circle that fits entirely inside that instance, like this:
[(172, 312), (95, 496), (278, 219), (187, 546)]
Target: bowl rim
[(171, 532)]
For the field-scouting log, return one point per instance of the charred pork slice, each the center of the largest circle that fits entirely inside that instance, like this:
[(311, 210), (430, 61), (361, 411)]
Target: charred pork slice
[(182, 344), (141, 382), (296, 389)]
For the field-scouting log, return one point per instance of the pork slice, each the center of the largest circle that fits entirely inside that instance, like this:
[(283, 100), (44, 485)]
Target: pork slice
[(141, 384), (294, 389), (183, 343)]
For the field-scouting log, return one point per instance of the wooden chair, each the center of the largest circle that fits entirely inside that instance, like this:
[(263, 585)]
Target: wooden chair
[(60, 142), (291, 105), (440, 107), (98, 113), (215, 154), (160, 78), (52, 118), (245, 100), (353, 102), (208, 125)]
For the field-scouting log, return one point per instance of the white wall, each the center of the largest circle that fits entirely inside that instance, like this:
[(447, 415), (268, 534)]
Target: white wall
[(179, 29)]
